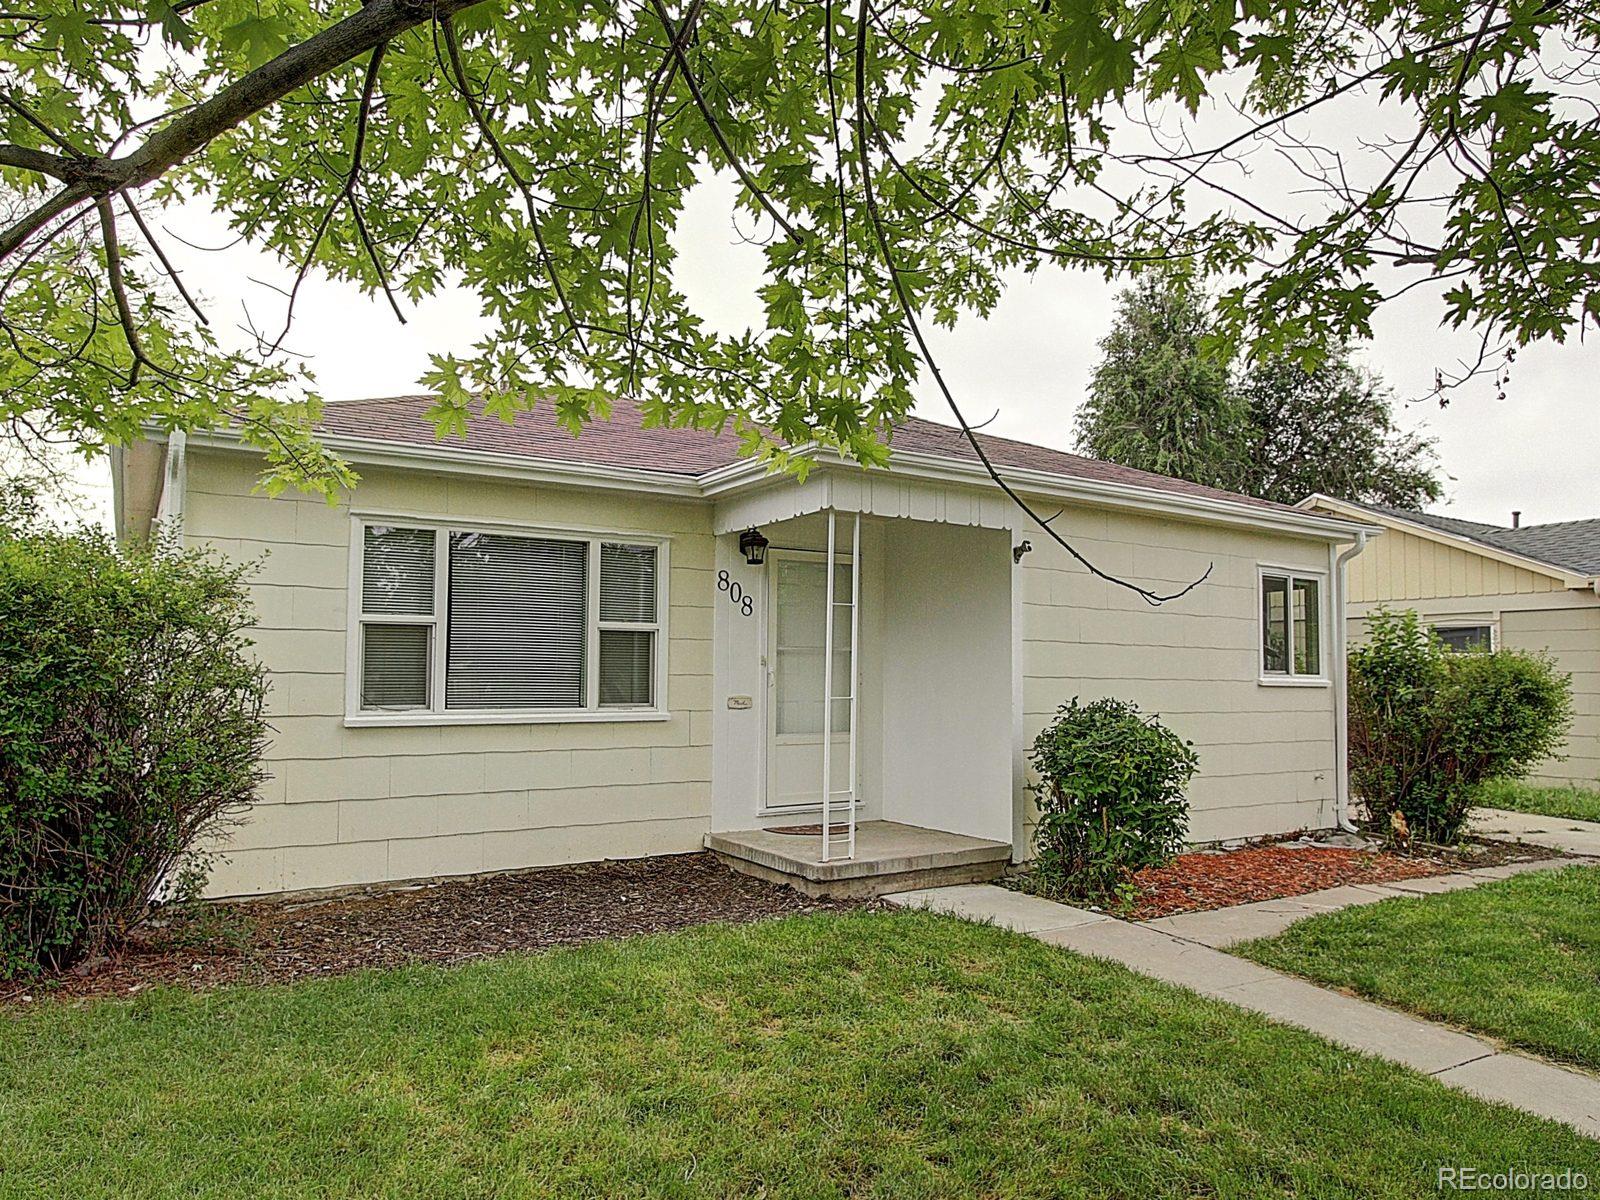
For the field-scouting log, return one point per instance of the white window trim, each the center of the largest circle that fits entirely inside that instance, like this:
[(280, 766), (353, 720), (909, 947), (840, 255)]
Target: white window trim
[(1288, 679), (436, 714)]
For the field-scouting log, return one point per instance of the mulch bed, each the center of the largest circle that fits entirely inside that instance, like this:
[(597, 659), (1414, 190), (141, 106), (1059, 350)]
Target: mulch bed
[(277, 941), (1195, 882), (1220, 879)]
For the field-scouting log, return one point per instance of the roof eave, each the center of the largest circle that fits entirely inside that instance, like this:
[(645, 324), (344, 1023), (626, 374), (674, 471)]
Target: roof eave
[(1211, 509), (750, 473), (377, 452), (1069, 489), (1568, 578)]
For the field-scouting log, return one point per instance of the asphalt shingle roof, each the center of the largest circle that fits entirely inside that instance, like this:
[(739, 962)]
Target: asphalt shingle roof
[(624, 441), (1570, 545), (1574, 544)]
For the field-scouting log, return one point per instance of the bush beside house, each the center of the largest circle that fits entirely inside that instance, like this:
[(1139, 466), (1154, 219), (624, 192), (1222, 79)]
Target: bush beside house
[(131, 723), (1110, 796), (1428, 725)]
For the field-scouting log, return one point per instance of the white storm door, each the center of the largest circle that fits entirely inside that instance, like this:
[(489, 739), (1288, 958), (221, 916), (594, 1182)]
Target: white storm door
[(795, 636)]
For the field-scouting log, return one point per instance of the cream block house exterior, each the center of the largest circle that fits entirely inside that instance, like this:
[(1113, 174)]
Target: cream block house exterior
[(523, 649), (1528, 587)]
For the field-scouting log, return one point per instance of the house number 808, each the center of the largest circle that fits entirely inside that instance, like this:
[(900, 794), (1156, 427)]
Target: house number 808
[(736, 594)]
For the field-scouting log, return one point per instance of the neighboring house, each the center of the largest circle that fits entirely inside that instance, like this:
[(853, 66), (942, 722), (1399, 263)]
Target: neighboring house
[(521, 648), (1532, 587)]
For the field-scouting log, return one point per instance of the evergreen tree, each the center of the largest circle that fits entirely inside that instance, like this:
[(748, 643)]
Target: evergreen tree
[(1156, 401), (1275, 429)]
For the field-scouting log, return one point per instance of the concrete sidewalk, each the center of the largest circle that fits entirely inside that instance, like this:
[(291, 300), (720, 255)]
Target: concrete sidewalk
[(1456, 1059), (1224, 926), (1553, 833)]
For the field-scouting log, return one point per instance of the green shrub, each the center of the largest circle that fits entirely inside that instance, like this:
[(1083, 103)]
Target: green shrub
[(130, 726), (1429, 725), (1110, 797)]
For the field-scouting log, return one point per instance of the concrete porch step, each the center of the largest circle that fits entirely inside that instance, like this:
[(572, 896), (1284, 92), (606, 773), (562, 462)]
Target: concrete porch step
[(890, 857)]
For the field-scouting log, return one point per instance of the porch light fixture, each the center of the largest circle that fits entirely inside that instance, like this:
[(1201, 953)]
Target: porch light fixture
[(1018, 551), (753, 546)]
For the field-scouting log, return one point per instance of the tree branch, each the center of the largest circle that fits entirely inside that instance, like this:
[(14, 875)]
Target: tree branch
[(166, 263), (41, 162), (728, 152), (908, 312), (371, 25), (119, 286), (21, 110), (458, 70), (346, 194)]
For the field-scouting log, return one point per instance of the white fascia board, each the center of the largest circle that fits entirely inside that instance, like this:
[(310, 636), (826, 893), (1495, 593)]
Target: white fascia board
[(750, 473), (454, 460), (1132, 497), (1570, 579), (1054, 487)]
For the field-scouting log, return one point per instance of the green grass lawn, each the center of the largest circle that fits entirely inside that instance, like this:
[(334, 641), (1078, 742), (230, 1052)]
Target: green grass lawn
[(1574, 803), (859, 1054), (1518, 959)]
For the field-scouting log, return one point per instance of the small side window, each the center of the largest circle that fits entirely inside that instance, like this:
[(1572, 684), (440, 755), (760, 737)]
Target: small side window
[(1275, 624), (397, 618), (1291, 626), (1307, 627), (628, 628), (1464, 639)]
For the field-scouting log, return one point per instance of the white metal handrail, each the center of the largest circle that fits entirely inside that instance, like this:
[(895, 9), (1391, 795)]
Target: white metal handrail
[(828, 697)]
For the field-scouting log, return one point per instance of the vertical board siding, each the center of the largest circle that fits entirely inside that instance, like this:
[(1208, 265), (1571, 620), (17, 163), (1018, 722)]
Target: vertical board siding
[(1568, 630), (1530, 611), (1403, 566), (365, 805), (1266, 752)]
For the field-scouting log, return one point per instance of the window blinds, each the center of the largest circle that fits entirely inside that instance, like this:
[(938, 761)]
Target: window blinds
[(394, 666), (627, 597), (627, 583), (397, 580), (397, 571), (517, 622), (627, 660)]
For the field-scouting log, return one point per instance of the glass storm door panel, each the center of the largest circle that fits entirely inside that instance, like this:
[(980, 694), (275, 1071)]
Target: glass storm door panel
[(795, 642)]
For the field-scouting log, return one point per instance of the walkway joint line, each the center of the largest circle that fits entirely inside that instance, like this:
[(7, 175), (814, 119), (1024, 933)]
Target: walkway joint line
[(1463, 1061)]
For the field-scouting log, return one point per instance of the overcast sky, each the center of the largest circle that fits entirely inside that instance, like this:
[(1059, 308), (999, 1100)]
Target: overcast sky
[(1536, 450)]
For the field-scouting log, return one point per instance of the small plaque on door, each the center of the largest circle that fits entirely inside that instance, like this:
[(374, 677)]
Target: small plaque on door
[(740, 702)]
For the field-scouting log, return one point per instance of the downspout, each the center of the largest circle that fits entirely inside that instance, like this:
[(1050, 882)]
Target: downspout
[(168, 522), (1341, 692), (174, 483), (119, 520)]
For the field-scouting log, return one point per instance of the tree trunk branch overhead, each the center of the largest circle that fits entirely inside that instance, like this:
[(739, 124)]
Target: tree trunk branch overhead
[(195, 128)]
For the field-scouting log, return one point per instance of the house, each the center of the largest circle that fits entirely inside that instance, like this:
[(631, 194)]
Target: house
[(520, 648), (1532, 587)]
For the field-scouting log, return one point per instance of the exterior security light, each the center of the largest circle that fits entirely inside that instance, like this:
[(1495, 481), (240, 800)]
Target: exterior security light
[(753, 546)]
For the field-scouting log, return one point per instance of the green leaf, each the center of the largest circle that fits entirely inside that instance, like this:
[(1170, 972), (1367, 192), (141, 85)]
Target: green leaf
[(259, 38)]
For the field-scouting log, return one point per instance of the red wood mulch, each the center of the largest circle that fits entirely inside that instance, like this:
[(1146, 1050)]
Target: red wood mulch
[(1194, 882)]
